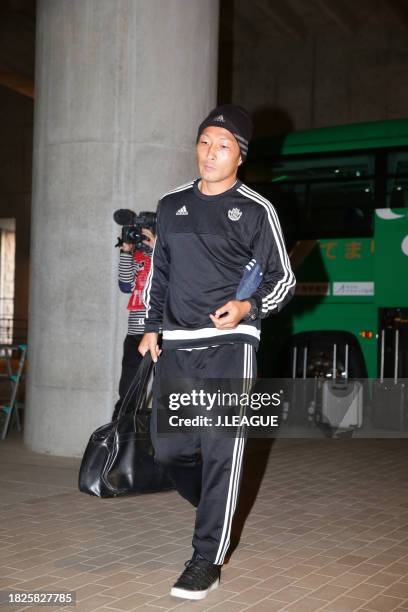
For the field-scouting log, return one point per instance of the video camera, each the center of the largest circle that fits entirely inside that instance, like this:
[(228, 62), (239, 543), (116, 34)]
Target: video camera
[(132, 225)]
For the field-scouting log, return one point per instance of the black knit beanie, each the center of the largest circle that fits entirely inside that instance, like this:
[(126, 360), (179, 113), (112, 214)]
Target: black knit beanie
[(233, 118)]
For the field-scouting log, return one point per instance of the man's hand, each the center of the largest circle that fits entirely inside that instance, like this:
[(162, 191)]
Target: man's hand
[(127, 247), (151, 238), (229, 315), (149, 343)]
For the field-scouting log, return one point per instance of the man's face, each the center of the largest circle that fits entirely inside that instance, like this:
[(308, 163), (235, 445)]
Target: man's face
[(218, 155)]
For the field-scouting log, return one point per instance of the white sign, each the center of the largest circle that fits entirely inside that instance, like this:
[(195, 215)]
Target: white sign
[(349, 288)]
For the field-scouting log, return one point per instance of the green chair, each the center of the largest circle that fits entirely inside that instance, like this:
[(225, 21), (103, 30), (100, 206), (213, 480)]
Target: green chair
[(7, 352)]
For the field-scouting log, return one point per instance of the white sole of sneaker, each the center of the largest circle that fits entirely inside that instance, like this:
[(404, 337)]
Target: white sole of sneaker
[(196, 595)]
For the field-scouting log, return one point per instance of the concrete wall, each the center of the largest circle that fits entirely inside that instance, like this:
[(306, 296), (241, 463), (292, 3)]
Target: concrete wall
[(328, 79)]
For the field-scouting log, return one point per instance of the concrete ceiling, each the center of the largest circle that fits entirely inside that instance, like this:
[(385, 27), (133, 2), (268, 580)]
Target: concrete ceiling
[(241, 22), (17, 44)]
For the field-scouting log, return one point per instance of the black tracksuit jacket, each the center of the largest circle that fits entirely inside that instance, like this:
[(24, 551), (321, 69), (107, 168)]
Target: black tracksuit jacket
[(203, 245)]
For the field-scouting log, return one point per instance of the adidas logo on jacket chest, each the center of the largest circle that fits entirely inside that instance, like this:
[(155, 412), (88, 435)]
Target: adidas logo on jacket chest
[(234, 214)]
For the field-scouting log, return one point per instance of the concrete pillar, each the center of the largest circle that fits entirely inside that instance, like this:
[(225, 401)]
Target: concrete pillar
[(121, 86)]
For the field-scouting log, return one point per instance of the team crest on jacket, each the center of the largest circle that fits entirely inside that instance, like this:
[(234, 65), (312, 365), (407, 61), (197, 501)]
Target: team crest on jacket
[(234, 214)]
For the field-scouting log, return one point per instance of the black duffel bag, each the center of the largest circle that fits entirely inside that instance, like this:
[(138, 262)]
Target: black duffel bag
[(119, 457)]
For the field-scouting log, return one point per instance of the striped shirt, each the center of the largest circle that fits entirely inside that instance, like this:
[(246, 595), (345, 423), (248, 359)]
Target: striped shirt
[(128, 269)]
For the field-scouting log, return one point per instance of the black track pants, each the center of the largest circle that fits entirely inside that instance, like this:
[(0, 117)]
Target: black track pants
[(205, 468)]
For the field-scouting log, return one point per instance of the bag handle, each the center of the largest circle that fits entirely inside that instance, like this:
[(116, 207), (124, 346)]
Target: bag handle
[(145, 370), (139, 382)]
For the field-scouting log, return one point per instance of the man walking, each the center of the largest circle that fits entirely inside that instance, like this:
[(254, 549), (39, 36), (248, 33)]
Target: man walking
[(207, 232)]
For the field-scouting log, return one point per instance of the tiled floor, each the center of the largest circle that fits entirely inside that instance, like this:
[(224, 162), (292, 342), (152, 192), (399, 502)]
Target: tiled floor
[(328, 530)]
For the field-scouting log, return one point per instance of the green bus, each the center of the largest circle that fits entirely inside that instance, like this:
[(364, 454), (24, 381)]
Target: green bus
[(342, 197)]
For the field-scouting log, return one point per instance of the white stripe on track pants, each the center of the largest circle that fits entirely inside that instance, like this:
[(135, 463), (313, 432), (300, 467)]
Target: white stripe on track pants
[(205, 468)]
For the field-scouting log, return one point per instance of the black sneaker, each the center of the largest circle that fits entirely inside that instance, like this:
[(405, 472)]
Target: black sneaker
[(198, 579)]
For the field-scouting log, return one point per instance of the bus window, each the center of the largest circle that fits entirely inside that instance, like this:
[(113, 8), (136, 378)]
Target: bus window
[(397, 180), (318, 197)]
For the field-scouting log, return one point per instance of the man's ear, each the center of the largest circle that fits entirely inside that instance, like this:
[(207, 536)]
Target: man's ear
[(240, 160)]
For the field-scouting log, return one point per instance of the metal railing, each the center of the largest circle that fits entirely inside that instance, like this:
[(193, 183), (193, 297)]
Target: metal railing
[(13, 331)]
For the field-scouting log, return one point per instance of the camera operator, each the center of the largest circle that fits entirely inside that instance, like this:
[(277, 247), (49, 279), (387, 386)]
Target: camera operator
[(134, 266)]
